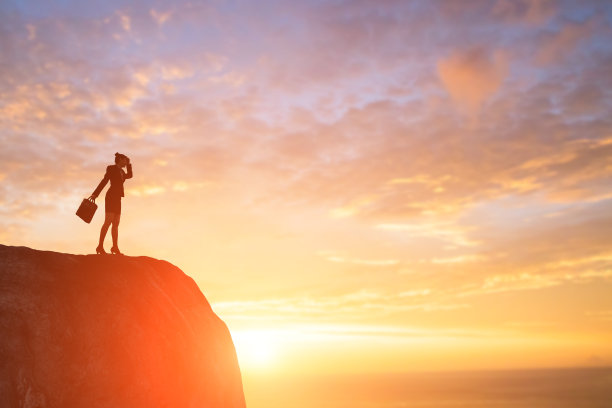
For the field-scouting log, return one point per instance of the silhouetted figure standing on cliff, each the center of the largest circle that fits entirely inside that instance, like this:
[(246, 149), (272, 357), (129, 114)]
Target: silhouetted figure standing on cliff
[(112, 201)]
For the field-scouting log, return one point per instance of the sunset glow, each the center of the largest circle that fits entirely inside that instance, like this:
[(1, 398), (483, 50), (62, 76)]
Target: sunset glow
[(257, 349), (356, 186)]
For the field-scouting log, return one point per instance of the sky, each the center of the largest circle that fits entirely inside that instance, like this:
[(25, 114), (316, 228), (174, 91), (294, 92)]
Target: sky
[(356, 186)]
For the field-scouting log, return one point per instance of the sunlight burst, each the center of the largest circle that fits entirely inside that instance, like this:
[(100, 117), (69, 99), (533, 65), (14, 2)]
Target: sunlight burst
[(256, 348)]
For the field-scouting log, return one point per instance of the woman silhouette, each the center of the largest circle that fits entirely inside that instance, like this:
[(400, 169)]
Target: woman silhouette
[(112, 201)]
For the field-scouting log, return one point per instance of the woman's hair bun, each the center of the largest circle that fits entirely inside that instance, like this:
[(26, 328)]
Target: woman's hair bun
[(118, 157)]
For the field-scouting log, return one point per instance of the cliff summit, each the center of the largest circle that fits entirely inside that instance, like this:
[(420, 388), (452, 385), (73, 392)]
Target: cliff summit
[(109, 331)]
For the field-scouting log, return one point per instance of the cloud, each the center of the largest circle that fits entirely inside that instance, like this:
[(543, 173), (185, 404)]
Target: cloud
[(527, 11), (457, 259), (174, 72), (421, 292), (544, 256), (605, 315), (445, 232), (472, 76), (160, 17), (586, 100), (556, 47), (359, 304), (31, 31), (125, 22), (370, 262)]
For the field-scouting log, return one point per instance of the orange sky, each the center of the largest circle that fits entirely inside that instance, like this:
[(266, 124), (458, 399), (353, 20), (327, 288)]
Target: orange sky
[(355, 186)]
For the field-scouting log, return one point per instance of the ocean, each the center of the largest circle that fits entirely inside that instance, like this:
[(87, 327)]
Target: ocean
[(536, 388)]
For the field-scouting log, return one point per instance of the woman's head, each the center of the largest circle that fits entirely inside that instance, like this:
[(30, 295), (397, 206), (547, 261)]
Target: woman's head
[(121, 159)]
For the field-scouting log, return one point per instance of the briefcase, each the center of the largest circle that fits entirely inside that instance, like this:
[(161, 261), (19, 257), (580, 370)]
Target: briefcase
[(87, 209)]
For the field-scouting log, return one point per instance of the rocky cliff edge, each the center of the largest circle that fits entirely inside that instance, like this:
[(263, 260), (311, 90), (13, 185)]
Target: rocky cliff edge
[(109, 331)]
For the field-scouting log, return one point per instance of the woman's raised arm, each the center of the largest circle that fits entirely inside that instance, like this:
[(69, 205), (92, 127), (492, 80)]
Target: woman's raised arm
[(103, 182), (129, 170)]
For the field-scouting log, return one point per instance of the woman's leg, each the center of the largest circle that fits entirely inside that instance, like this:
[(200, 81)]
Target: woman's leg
[(108, 218), (115, 229)]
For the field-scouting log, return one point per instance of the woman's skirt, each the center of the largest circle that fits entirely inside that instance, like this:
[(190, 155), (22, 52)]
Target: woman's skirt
[(112, 203)]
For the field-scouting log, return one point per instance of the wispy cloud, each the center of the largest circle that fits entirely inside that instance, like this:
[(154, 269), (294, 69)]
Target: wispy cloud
[(473, 75)]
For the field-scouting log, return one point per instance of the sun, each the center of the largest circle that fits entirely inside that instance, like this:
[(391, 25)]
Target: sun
[(256, 348)]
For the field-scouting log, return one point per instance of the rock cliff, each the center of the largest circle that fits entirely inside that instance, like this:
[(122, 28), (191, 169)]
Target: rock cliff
[(109, 331)]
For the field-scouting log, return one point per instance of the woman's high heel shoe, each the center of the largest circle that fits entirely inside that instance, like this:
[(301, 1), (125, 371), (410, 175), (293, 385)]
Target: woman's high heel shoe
[(116, 251), (100, 250)]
